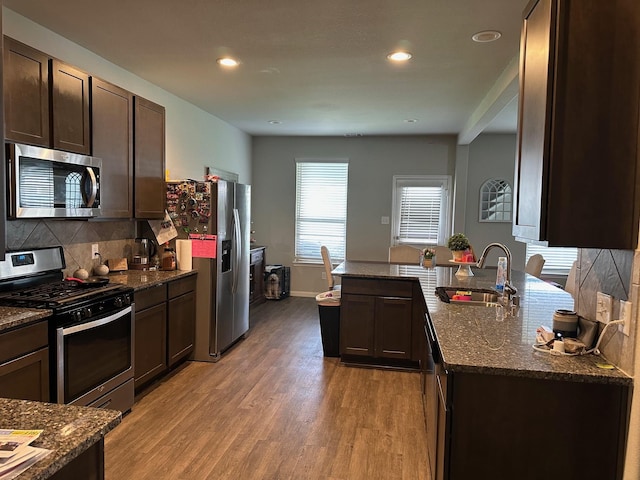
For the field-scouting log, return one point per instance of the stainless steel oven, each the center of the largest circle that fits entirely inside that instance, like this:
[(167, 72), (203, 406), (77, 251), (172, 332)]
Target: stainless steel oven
[(45, 183), (95, 357), (91, 330)]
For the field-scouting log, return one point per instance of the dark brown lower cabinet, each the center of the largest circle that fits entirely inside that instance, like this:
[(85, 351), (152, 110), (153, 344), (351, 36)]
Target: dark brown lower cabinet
[(89, 465), (506, 427), (376, 318), (181, 320), (164, 328), (24, 371)]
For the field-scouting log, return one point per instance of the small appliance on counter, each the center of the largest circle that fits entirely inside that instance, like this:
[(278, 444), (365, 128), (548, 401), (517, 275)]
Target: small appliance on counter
[(143, 252)]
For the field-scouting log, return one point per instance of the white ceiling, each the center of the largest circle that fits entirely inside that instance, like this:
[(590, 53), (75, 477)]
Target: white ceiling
[(318, 67)]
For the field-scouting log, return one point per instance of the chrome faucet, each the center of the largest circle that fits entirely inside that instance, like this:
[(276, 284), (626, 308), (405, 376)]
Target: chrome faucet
[(509, 290)]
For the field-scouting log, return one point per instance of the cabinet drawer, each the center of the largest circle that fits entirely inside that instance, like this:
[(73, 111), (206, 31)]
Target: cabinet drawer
[(150, 297), (378, 287), (22, 340), (257, 255), (182, 286)]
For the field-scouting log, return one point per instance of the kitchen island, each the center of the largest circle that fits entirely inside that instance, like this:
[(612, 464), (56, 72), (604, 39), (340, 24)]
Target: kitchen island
[(495, 407), (75, 436)]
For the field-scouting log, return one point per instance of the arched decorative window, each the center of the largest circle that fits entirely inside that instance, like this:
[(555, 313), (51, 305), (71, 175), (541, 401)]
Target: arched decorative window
[(496, 201), (73, 197)]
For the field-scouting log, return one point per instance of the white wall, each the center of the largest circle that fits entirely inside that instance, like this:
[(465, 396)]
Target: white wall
[(491, 156), (373, 161), (194, 138)]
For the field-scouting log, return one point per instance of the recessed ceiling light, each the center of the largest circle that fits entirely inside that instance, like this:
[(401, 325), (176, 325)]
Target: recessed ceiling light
[(228, 62), (399, 56), (486, 36), (275, 122), (411, 120)]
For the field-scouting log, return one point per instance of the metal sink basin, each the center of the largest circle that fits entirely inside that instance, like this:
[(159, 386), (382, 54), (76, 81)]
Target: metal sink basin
[(479, 297)]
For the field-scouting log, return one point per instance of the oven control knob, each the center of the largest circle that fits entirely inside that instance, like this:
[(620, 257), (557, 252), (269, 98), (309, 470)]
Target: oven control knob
[(86, 312), (118, 302)]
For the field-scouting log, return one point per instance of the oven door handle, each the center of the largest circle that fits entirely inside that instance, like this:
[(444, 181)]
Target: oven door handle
[(96, 323)]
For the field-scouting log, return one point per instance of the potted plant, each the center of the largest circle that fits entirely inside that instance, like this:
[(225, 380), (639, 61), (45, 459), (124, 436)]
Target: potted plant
[(458, 243), (428, 257)]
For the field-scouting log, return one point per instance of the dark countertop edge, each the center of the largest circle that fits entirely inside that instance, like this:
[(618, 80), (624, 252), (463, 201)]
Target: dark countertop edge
[(12, 317), (542, 375), (141, 280)]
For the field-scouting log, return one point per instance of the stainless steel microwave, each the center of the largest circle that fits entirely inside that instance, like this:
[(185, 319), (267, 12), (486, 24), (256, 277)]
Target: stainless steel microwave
[(45, 183)]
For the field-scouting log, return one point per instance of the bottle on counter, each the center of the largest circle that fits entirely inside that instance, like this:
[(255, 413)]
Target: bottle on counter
[(168, 258), (501, 276)]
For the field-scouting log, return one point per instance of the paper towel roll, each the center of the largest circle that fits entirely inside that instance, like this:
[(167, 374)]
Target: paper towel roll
[(183, 252)]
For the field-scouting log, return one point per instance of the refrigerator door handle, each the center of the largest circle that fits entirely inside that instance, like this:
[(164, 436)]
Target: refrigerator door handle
[(236, 248)]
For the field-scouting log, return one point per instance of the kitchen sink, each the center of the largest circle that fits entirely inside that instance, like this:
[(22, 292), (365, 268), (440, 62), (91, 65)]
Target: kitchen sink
[(482, 297)]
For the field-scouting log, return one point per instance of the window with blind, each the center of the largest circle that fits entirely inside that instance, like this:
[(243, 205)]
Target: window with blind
[(321, 209), (557, 260), (420, 210)]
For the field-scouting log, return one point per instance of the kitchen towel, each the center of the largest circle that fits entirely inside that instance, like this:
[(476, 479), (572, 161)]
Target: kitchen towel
[(183, 252)]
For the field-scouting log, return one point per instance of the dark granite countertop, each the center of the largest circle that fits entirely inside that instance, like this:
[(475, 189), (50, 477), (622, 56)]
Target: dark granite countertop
[(139, 279), (476, 339), (68, 430), (11, 317)]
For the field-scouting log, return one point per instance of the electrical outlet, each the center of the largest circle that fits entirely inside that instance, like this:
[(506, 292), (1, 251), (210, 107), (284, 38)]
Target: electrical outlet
[(94, 250), (604, 307), (625, 314), (384, 220)]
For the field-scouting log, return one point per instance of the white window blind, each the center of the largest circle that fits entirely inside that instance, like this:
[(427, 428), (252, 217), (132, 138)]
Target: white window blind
[(557, 260), (421, 210), (321, 209)]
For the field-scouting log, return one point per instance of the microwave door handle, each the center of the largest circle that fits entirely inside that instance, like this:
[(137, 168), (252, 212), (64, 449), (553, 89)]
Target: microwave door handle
[(94, 187)]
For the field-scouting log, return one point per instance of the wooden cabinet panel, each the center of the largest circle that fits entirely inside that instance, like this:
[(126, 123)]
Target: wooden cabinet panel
[(357, 313), (70, 108), (26, 377), (393, 327), (26, 94), (3, 187), (150, 343), (256, 276), (24, 372), (149, 159), (181, 327), (112, 141), (579, 66)]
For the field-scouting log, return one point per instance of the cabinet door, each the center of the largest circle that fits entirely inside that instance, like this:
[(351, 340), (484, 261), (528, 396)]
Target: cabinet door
[(568, 76), (150, 343), (112, 141), (26, 377), (393, 327), (26, 94), (182, 327), (442, 434), (70, 108), (149, 159), (3, 205), (357, 317), (533, 134)]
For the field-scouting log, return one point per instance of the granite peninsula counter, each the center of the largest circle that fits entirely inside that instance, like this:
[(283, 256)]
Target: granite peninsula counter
[(474, 339), (73, 434)]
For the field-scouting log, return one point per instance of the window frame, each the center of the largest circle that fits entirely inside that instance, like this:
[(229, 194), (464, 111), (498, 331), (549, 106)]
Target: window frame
[(316, 257), (443, 181), (549, 268)]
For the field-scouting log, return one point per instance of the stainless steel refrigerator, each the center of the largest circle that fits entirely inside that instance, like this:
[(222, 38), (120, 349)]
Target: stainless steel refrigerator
[(223, 209)]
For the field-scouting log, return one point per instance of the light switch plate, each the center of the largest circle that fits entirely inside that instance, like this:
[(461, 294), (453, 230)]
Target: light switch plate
[(604, 306), (625, 314), (384, 220)]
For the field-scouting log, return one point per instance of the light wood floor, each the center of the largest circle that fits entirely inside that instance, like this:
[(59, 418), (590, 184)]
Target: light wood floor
[(274, 408)]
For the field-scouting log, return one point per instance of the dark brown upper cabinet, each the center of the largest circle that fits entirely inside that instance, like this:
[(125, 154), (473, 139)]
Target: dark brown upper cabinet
[(577, 181), (70, 108), (26, 94), (149, 159), (46, 101), (112, 139)]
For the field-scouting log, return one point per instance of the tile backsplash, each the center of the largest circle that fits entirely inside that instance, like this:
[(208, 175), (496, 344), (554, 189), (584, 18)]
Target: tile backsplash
[(115, 239), (610, 272)]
